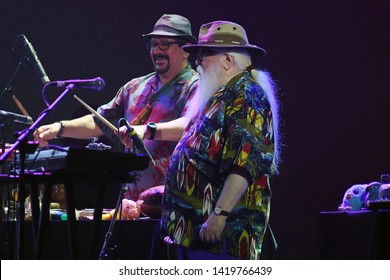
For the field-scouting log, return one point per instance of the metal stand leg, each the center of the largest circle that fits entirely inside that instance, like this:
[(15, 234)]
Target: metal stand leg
[(103, 253), (44, 222), (97, 222), (71, 222)]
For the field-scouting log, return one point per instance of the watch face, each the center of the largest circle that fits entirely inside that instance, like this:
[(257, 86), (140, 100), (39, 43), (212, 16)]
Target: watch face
[(152, 125), (220, 212)]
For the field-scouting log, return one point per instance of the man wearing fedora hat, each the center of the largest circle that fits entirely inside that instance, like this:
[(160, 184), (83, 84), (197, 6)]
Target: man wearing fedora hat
[(217, 191), (160, 96)]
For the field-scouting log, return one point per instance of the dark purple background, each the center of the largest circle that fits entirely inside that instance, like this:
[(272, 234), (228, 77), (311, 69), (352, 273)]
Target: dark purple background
[(330, 58)]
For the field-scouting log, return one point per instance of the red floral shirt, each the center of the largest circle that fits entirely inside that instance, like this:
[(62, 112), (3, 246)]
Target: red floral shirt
[(169, 104)]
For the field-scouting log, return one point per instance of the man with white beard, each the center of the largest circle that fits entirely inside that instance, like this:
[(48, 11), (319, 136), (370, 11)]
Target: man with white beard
[(217, 193)]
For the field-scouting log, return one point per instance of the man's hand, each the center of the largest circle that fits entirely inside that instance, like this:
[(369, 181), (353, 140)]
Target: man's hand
[(126, 138), (46, 132), (212, 229)]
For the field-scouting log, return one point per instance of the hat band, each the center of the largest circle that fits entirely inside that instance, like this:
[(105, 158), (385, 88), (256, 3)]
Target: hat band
[(223, 39), (168, 29)]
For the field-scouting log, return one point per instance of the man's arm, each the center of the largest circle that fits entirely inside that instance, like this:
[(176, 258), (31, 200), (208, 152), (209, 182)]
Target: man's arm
[(167, 131), (233, 189), (80, 128)]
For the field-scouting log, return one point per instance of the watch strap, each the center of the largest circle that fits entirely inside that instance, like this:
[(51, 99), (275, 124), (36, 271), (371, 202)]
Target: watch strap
[(220, 212), (151, 127)]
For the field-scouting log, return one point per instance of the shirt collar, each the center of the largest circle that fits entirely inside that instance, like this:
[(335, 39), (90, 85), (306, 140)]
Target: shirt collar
[(153, 82)]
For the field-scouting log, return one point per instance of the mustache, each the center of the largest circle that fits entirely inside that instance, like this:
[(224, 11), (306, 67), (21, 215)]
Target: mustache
[(160, 56)]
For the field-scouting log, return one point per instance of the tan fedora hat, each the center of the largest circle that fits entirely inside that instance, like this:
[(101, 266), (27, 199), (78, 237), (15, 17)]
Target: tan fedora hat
[(223, 34), (173, 26)]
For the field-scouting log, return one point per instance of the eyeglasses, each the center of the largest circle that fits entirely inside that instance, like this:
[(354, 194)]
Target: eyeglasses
[(162, 45)]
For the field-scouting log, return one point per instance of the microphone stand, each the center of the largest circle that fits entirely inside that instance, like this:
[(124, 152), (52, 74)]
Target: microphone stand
[(22, 62), (4, 194), (3, 128), (24, 134), (22, 141), (8, 88), (107, 237)]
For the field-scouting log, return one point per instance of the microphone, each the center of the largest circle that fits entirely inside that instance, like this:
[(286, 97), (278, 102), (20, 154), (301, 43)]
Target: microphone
[(96, 84), (16, 117), (138, 143), (37, 63)]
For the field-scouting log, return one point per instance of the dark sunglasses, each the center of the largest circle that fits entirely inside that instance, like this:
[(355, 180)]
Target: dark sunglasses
[(202, 54)]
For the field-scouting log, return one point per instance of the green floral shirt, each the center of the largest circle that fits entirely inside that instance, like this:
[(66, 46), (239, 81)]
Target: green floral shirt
[(233, 135)]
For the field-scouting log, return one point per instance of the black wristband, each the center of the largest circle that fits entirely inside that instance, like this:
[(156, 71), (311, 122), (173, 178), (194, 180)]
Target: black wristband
[(61, 129)]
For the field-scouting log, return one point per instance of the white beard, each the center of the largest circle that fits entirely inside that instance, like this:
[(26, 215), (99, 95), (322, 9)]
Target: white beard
[(209, 83)]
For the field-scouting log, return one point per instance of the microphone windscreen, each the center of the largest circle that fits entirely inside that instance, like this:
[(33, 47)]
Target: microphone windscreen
[(100, 83)]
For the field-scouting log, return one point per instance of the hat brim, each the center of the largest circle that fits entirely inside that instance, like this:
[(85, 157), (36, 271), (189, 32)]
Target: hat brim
[(252, 49), (188, 38)]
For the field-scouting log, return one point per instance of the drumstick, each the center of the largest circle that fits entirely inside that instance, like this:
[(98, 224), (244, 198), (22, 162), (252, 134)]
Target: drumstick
[(20, 106), (100, 117)]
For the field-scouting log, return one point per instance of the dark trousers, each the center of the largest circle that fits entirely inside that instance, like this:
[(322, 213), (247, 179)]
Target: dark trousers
[(188, 253)]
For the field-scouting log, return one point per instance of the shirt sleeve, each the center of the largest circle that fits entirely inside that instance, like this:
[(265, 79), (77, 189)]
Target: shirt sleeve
[(246, 131)]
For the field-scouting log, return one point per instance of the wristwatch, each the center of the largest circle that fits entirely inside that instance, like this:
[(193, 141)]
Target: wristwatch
[(220, 212), (152, 129)]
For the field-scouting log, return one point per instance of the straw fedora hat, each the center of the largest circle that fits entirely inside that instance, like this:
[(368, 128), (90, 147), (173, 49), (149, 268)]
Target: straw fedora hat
[(223, 34), (173, 26)]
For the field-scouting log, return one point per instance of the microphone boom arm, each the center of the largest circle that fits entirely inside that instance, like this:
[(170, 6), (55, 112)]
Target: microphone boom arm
[(23, 136)]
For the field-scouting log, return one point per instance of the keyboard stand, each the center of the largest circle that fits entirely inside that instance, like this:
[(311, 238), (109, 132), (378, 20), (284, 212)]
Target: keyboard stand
[(68, 176)]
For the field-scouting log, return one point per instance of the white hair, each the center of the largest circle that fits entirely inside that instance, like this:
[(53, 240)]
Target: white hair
[(264, 79), (243, 62)]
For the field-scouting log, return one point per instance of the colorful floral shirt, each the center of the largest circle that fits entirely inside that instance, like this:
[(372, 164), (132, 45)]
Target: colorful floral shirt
[(232, 135), (168, 105)]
